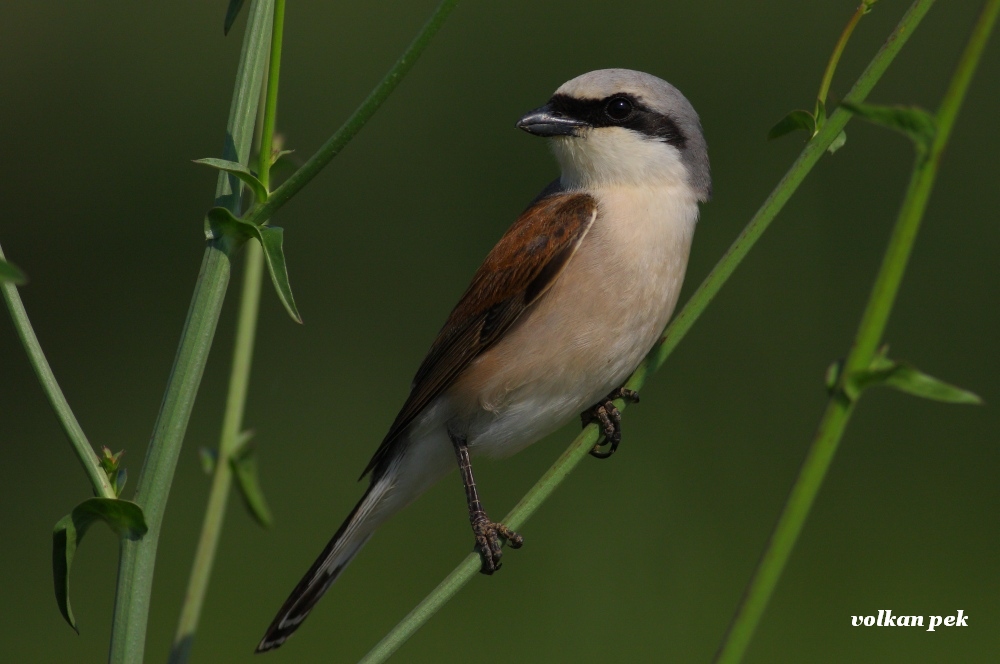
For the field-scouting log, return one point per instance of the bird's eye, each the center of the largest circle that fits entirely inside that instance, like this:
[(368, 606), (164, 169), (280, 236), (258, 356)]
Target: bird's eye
[(618, 109)]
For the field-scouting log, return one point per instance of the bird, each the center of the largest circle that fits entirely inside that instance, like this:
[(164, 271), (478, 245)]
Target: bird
[(560, 313)]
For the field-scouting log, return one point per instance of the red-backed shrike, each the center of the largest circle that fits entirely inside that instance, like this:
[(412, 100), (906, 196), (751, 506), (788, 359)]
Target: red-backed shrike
[(562, 310)]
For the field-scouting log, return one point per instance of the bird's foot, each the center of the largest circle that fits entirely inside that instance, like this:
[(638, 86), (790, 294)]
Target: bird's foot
[(488, 536), (609, 419)]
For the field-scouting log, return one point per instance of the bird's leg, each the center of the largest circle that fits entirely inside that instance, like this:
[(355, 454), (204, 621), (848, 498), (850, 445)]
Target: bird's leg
[(487, 532), (609, 419)]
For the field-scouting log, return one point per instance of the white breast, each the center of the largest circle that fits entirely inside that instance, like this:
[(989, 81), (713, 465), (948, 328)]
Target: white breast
[(590, 330)]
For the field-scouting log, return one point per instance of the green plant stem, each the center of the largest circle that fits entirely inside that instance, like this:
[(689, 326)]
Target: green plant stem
[(358, 119), (271, 97), (779, 547), (222, 476), (869, 334), (672, 336), (84, 452), (239, 377), (135, 569), (470, 566), (838, 50), (811, 154)]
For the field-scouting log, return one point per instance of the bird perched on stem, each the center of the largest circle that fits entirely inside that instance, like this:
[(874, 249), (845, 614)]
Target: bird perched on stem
[(563, 309)]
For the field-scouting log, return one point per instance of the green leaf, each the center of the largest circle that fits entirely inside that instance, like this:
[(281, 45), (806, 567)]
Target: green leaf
[(832, 377), (906, 378), (124, 517), (219, 220), (794, 121), (916, 123), (911, 380), (208, 457), (240, 171), (118, 482), (278, 154), (111, 463), (838, 142), (243, 438), (231, 13), (819, 117), (271, 239), (10, 274), (244, 464)]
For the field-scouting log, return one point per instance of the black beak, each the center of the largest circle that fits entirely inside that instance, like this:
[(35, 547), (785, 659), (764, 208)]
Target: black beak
[(546, 122)]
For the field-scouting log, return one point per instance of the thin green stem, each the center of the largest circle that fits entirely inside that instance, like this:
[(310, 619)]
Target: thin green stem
[(84, 452), (222, 477), (135, 569), (955, 95), (838, 50), (470, 566), (880, 306), (271, 99), (811, 154), (239, 377), (787, 530), (869, 335), (358, 119), (672, 336)]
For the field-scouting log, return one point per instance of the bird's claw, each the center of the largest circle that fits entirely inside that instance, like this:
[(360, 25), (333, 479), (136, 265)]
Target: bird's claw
[(488, 536), (609, 418)]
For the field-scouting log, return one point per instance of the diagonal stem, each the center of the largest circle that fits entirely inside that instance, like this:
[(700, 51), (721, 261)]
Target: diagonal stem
[(869, 335), (814, 149), (682, 323), (358, 119), (88, 458)]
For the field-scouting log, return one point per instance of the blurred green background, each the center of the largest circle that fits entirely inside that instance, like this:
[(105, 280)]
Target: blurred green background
[(642, 558)]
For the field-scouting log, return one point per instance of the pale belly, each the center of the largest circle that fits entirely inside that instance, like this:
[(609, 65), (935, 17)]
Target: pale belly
[(586, 335)]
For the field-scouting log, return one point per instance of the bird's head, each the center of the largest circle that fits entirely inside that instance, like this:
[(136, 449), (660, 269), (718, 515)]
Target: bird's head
[(623, 127)]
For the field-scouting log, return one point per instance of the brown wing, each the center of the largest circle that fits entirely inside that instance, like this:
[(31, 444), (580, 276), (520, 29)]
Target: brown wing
[(518, 271)]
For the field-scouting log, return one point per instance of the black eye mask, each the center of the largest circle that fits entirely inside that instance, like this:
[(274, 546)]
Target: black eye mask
[(620, 110)]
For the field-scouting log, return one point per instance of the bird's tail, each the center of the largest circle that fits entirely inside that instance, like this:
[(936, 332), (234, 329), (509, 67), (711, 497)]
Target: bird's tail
[(345, 544)]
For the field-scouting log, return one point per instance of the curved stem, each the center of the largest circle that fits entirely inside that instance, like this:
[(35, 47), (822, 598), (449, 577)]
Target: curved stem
[(869, 335), (84, 452), (838, 50), (676, 331), (358, 119)]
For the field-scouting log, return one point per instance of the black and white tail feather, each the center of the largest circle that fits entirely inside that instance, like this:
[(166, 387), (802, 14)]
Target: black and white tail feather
[(349, 539)]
